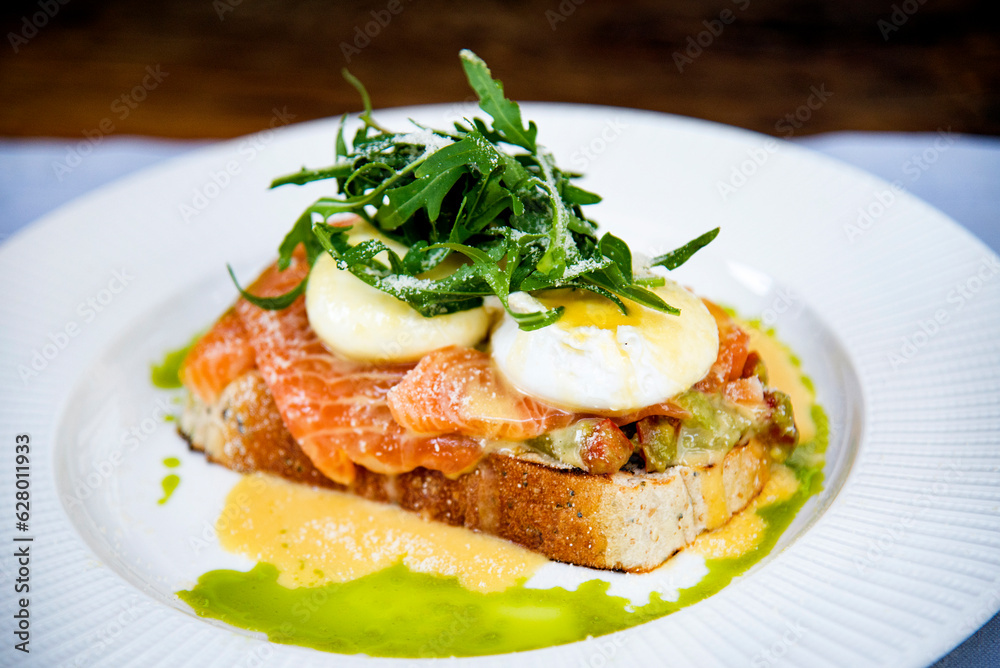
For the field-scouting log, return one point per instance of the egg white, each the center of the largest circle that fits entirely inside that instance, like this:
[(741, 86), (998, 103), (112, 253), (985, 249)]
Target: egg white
[(595, 359), (364, 323)]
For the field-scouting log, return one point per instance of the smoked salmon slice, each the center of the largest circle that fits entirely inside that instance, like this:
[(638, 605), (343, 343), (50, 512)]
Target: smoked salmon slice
[(457, 389), (664, 409), (733, 351), (733, 371), (218, 358), (336, 408)]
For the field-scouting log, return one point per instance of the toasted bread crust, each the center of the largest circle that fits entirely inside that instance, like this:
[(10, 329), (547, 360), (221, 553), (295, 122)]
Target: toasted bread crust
[(625, 521)]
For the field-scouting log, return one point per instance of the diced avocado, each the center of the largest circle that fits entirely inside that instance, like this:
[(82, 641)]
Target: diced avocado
[(657, 436), (780, 429), (596, 445), (715, 426)]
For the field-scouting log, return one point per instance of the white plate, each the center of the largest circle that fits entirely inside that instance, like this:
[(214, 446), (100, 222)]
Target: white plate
[(894, 564)]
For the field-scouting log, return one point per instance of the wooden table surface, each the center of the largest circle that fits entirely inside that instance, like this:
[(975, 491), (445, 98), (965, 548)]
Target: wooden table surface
[(220, 68)]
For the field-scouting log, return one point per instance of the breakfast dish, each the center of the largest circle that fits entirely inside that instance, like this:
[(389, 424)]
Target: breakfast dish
[(449, 338), (450, 334), (897, 468)]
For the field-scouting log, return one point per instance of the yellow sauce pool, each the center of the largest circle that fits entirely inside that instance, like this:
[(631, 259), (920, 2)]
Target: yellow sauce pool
[(316, 536)]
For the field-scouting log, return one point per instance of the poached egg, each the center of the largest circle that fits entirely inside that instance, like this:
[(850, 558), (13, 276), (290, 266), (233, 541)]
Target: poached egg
[(595, 358)]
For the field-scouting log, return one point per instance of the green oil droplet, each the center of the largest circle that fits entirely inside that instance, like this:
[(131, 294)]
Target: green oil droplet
[(169, 484), (166, 374), (171, 462)]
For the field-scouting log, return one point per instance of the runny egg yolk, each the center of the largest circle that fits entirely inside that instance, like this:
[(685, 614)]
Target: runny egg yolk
[(582, 309), (596, 358)]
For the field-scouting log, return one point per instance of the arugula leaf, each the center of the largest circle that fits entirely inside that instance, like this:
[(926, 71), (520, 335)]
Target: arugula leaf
[(340, 146), (561, 246), (304, 176), (679, 256), (366, 101), (424, 193), (610, 279), (421, 259), (607, 294), (616, 249), (487, 205), (506, 113), (301, 233), (473, 150), (270, 303), (575, 195)]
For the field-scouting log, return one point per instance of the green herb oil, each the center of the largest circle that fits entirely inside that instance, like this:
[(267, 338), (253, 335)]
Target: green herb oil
[(169, 484), (166, 374)]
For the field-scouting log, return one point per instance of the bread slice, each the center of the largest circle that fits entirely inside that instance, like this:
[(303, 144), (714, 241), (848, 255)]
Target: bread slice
[(629, 521)]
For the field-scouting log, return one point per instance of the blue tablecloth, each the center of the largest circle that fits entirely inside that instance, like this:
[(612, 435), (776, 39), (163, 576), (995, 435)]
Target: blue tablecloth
[(958, 174)]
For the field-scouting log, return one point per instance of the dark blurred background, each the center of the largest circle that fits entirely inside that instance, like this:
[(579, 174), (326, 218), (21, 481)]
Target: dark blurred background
[(220, 68)]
